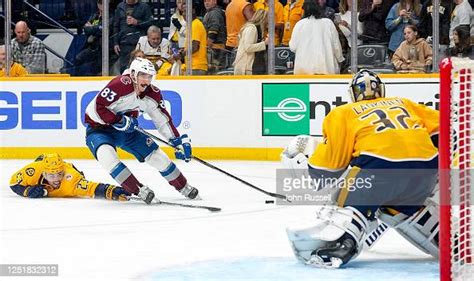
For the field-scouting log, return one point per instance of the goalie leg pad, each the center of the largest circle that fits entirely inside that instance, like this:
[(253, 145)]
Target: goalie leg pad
[(334, 225), (421, 229)]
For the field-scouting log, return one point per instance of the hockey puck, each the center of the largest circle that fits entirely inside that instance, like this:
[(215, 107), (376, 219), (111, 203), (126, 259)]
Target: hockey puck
[(269, 201)]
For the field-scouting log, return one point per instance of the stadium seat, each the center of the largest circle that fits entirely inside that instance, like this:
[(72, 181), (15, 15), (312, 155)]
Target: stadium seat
[(283, 55), (374, 57)]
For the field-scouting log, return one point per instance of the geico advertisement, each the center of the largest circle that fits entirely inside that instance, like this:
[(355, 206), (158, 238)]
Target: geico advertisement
[(32, 112), (299, 108)]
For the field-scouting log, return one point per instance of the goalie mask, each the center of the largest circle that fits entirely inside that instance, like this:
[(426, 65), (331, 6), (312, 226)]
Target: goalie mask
[(366, 85)]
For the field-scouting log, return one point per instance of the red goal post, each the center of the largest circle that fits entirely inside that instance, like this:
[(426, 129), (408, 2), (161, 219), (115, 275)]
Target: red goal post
[(456, 177)]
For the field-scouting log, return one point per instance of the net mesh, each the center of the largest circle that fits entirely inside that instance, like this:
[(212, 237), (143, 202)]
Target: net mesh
[(461, 156)]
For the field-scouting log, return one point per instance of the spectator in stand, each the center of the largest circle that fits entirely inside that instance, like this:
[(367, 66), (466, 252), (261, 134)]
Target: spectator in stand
[(426, 20), (237, 13), (292, 13), (315, 42), (199, 45), (214, 22), (28, 50), (333, 4), (462, 43), (343, 20), (251, 53), (404, 13), (414, 55), (462, 15), (156, 48), (137, 53), (16, 69), (279, 19), (328, 12), (132, 19), (373, 14), (89, 60), (177, 33)]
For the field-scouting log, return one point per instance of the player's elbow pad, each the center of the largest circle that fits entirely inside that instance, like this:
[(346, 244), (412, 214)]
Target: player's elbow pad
[(18, 189)]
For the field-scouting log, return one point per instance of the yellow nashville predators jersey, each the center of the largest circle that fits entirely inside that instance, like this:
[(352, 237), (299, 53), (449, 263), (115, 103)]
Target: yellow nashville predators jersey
[(73, 184), (393, 129)]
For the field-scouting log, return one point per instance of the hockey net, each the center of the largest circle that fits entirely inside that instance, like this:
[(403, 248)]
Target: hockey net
[(456, 176)]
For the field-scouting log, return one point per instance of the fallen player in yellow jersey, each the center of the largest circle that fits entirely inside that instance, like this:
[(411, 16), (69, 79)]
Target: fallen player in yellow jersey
[(50, 176)]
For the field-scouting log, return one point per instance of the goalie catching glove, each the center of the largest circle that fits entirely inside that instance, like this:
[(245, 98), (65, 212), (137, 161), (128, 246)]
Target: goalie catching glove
[(295, 156)]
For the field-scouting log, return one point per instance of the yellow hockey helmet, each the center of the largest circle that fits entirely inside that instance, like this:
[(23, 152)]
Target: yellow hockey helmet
[(53, 163)]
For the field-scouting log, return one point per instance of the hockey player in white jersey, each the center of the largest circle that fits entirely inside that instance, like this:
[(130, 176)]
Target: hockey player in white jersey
[(111, 119)]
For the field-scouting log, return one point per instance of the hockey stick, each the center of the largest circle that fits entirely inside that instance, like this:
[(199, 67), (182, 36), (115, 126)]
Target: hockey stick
[(276, 195), (375, 235), (159, 202)]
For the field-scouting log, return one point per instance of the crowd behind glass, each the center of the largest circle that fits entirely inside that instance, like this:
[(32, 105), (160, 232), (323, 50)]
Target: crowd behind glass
[(232, 37)]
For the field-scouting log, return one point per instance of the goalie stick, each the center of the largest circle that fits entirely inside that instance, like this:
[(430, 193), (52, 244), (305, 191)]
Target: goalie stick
[(276, 195), (159, 202), (375, 235)]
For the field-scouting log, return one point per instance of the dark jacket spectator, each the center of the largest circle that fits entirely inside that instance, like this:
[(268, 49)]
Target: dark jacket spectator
[(373, 14), (462, 45), (132, 19), (328, 12), (426, 21), (214, 22), (88, 60)]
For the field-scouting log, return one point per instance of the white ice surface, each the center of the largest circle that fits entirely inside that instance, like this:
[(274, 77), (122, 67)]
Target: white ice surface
[(94, 239)]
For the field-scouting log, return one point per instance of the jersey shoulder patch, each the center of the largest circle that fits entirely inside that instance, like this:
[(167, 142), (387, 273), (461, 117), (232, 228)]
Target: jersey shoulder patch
[(154, 88), (30, 171), (122, 85), (126, 80)]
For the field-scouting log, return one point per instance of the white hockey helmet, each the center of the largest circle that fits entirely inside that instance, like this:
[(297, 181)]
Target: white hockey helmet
[(366, 85), (141, 65)]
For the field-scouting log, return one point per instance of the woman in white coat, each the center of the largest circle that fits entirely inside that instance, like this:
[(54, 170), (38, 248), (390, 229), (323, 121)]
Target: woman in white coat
[(251, 52), (315, 42)]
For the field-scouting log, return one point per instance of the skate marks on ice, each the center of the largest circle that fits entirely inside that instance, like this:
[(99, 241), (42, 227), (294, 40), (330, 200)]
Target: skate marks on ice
[(286, 268)]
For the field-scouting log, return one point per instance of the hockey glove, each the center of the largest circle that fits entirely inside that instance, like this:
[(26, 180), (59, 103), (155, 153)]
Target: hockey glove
[(127, 124), (36, 191), (117, 193), (176, 23), (182, 147), (111, 192)]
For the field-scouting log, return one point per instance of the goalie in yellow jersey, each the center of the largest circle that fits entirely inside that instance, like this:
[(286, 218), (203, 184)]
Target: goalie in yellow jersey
[(382, 153), (50, 176)]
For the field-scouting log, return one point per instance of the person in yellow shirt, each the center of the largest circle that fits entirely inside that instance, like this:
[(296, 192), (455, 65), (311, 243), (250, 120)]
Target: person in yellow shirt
[(199, 46), (16, 69), (237, 13), (279, 19), (382, 154), (50, 176), (292, 13)]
